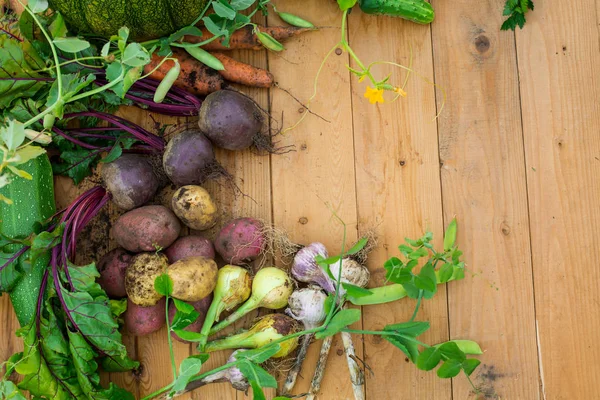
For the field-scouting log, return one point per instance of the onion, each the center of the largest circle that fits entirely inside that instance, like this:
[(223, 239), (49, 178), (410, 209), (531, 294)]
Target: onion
[(266, 330), (305, 268), (233, 288), (271, 289)]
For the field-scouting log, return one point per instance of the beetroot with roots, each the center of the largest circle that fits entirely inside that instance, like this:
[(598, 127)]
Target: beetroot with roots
[(189, 246), (230, 120), (241, 240), (201, 307), (131, 181), (189, 159), (112, 267)]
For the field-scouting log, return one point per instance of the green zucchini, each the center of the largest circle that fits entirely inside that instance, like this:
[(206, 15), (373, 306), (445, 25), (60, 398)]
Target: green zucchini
[(33, 202), (418, 11)]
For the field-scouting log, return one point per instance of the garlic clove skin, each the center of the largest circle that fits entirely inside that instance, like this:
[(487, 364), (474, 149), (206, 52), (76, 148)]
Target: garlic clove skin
[(352, 272), (307, 306), (305, 268)]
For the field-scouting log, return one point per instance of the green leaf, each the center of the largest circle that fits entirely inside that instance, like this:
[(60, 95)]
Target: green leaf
[(418, 253), (254, 373), (13, 134), (182, 320), (466, 346), (163, 285), (71, 44), (38, 6), (184, 307), (257, 392), (355, 291), (186, 30), (118, 307), (470, 365), (413, 328), (446, 272), (358, 246), (426, 280), (405, 250), (223, 9), (188, 335), (260, 355), (213, 27), (25, 154), (113, 154), (135, 55), (189, 367), (346, 4), (450, 235), (58, 28), (240, 5), (411, 290), (451, 351), (19, 60), (409, 348), (429, 358), (449, 369), (329, 303), (340, 321)]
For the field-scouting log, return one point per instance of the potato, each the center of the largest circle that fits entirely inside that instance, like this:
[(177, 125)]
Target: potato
[(146, 229), (194, 278), (201, 308), (188, 246), (241, 240), (194, 207), (141, 321), (112, 267), (140, 276)]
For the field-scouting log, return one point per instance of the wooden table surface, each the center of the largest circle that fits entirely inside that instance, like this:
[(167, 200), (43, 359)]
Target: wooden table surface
[(514, 156)]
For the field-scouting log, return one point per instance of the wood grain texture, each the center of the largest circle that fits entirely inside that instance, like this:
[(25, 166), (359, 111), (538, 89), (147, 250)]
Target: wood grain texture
[(318, 177), (398, 191), (558, 66), (483, 185)]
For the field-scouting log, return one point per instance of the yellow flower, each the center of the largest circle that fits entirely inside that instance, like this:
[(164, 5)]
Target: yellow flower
[(374, 95), (400, 91)]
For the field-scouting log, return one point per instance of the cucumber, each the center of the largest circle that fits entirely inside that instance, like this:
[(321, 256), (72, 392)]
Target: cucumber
[(33, 202), (418, 11)]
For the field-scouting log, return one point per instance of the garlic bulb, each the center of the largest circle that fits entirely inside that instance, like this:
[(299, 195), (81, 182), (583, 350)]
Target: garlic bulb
[(352, 272), (307, 306), (305, 268)]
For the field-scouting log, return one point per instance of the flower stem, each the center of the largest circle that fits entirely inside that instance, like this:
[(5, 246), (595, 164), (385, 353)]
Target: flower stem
[(170, 340)]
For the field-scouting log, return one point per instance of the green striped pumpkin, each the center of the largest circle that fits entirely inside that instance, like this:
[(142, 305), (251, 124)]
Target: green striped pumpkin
[(146, 19)]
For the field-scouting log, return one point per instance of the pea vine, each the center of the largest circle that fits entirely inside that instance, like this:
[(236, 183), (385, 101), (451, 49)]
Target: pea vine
[(452, 357)]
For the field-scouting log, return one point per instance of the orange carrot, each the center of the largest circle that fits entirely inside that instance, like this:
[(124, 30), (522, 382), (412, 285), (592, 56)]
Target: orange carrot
[(244, 38), (239, 72), (195, 77)]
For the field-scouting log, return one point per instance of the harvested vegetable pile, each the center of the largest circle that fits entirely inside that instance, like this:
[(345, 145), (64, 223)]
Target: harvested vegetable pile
[(63, 75)]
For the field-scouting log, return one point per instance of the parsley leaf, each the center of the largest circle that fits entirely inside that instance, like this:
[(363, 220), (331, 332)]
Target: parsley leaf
[(515, 10)]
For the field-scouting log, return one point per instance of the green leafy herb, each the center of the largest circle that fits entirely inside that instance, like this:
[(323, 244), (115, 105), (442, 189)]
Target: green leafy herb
[(515, 10)]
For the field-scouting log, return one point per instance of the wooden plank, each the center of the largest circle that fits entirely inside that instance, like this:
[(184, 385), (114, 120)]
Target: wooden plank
[(398, 187), (558, 54), (319, 175), (483, 184)]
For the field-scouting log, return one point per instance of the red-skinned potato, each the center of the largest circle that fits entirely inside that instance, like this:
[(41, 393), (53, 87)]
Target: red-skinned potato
[(241, 240), (112, 267), (141, 321), (146, 229), (201, 308), (189, 246)]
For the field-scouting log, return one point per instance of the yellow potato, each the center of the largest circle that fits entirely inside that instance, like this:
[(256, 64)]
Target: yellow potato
[(140, 276), (194, 207), (193, 278)]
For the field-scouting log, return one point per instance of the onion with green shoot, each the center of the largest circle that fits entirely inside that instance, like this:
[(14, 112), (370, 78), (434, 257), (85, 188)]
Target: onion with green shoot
[(234, 286), (271, 289), (266, 330)]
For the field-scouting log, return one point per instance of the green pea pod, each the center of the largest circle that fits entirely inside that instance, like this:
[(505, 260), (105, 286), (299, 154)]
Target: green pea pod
[(294, 20), (205, 58), (269, 41), (165, 85), (49, 121)]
